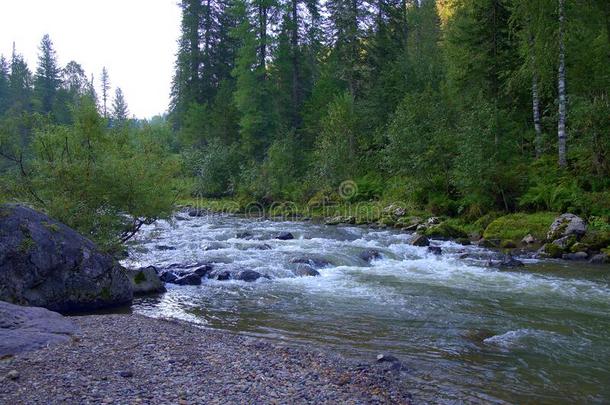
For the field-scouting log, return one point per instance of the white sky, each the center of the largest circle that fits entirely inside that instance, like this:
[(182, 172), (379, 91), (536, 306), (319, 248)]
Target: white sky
[(134, 39)]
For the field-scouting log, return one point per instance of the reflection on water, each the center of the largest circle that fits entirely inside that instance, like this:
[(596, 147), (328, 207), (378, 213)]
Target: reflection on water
[(466, 332)]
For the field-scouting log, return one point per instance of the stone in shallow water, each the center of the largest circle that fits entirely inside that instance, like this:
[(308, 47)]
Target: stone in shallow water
[(436, 250), (189, 279), (248, 275), (145, 280), (316, 262), (419, 240)]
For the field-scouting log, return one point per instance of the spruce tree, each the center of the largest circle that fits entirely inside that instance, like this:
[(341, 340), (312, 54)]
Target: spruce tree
[(120, 112), (105, 91), (47, 79)]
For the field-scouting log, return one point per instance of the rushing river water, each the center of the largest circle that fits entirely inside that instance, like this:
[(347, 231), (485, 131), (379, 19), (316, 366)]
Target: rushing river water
[(466, 332)]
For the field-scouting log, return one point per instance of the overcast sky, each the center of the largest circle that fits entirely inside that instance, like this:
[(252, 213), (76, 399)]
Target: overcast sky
[(134, 39)]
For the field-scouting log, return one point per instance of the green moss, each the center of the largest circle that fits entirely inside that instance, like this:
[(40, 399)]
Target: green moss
[(579, 247), (553, 250), (139, 278), (51, 227), (26, 244), (446, 230), (597, 239), (105, 293), (516, 226), (508, 244)]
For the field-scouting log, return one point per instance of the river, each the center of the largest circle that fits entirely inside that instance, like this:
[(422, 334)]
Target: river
[(467, 333)]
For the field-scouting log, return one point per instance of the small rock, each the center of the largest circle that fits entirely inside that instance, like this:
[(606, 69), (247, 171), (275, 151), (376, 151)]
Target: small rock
[(285, 236), (575, 256), (433, 221), (528, 239), (126, 374), (248, 275), (168, 277), (305, 270), (244, 235), (13, 375), (262, 246), (316, 262), (419, 240), (510, 262), (189, 279), (197, 212), (203, 270), (436, 250), (383, 358), (601, 258)]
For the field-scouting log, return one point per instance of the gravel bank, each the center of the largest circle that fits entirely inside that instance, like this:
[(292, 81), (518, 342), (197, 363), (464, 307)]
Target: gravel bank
[(134, 359)]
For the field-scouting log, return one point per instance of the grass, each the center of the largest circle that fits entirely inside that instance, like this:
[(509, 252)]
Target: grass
[(516, 226)]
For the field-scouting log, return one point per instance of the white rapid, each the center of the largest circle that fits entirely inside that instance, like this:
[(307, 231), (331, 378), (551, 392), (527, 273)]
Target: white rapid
[(467, 332)]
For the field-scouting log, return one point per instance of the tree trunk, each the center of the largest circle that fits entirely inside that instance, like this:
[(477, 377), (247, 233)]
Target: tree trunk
[(536, 102), (561, 85), (295, 63)]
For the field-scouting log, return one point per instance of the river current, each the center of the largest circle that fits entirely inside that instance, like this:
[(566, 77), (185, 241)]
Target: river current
[(467, 333)]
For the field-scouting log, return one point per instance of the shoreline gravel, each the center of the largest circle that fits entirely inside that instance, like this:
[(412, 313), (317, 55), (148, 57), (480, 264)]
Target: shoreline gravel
[(132, 359)]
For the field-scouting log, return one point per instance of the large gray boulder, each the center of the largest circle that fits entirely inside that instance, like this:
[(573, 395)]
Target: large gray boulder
[(45, 263), (567, 225), (30, 328)]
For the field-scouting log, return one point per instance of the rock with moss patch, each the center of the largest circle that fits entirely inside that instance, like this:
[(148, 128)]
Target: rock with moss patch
[(567, 225), (145, 281), (445, 231), (44, 263), (550, 250), (601, 258)]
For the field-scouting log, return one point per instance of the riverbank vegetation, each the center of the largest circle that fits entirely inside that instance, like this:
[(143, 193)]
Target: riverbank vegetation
[(468, 110)]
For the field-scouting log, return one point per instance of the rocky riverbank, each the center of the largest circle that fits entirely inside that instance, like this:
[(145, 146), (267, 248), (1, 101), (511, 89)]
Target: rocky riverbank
[(134, 359)]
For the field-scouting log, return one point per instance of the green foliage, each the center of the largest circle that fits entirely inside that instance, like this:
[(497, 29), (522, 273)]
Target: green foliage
[(215, 169), (102, 185), (517, 226)]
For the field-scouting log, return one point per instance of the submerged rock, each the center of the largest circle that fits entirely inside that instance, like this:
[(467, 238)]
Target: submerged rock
[(305, 270), (316, 262), (436, 250), (29, 328), (575, 256), (45, 263), (369, 255), (165, 247), (145, 281)]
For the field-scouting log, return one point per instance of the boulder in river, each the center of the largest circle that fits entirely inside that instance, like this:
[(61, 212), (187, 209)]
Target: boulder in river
[(567, 225), (575, 256), (45, 263), (419, 240), (145, 281), (248, 275), (197, 212), (284, 236), (29, 328)]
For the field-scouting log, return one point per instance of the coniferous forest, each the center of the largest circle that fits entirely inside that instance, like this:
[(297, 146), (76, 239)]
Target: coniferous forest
[(459, 108)]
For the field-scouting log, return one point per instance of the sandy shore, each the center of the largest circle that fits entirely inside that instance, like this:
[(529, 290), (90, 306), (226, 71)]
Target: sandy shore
[(134, 359)]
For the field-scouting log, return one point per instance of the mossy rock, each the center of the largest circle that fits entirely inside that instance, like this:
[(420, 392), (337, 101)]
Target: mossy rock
[(553, 251), (579, 247), (596, 240), (464, 241), (139, 278), (508, 244), (445, 231), (516, 226), (389, 221)]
